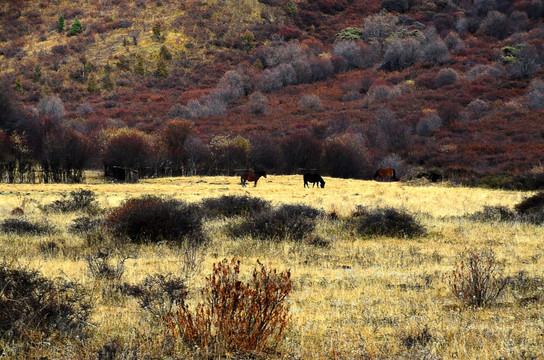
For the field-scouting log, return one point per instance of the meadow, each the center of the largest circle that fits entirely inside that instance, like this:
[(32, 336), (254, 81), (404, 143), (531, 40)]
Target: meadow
[(353, 297)]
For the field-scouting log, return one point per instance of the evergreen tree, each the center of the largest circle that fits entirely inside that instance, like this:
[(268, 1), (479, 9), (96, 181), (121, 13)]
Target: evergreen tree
[(162, 69), (60, 25), (107, 83), (92, 85), (76, 27), (139, 68), (19, 85), (37, 74)]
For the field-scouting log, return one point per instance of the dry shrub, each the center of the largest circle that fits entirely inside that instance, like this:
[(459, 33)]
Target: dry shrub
[(159, 294), (233, 205), (78, 200), (288, 221), (389, 222), (33, 307), (532, 208), (153, 219), (477, 279), (21, 226), (235, 317), (494, 213)]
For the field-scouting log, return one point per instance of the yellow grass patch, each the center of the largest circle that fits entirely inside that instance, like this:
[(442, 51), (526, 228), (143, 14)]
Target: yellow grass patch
[(357, 298)]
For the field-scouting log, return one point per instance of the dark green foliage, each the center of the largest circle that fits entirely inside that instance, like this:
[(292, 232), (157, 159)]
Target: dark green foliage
[(233, 205), (153, 219), (288, 221), (37, 73), (76, 27), (60, 24), (77, 200), (165, 54), (389, 222), (23, 226), (31, 305)]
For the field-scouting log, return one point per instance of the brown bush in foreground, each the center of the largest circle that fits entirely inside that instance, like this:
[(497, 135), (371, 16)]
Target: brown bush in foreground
[(477, 279), (235, 316)]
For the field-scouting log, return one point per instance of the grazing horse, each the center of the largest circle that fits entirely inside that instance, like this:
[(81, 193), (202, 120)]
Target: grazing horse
[(313, 178), (386, 173), (252, 176)]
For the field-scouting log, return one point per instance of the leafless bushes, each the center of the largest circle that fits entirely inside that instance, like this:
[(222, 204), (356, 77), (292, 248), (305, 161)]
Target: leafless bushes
[(235, 316), (477, 279)]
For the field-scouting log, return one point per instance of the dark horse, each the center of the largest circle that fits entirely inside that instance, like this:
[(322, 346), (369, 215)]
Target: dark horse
[(252, 176), (313, 178), (383, 173)]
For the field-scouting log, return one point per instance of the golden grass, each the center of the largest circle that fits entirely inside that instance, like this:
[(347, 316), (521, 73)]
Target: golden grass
[(359, 298)]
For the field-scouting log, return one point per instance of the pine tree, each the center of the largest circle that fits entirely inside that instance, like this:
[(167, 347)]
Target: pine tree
[(92, 85), (107, 83), (162, 69), (60, 25), (37, 74), (19, 85), (76, 27), (139, 68)]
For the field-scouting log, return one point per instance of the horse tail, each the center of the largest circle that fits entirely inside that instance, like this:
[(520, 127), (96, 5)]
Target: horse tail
[(394, 175)]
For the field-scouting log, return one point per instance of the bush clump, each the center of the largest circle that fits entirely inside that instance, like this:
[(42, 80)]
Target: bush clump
[(85, 224), (235, 316), (389, 222), (532, 209), (23, 226), (494, 213), (233, 205), (153, 219), (477, 279), (78, 200), (32, 306), (288, 221)]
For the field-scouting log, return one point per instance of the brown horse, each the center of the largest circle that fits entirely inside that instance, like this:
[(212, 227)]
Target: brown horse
[(252, 176), (383, 173)]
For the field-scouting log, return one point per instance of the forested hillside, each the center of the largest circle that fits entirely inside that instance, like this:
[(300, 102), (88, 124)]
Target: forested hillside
[(443, 89)]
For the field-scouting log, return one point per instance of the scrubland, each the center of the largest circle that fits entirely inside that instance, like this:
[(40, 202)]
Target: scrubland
[(353, 296)]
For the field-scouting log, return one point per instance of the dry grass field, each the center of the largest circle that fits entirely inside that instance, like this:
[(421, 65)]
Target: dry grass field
[(356, 298)]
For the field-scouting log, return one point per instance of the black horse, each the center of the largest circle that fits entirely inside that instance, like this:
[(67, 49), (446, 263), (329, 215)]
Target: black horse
[(314, 179), (252, 176)]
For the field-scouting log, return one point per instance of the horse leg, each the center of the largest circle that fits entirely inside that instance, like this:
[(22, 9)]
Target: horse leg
[(255, 183), (306, 184)]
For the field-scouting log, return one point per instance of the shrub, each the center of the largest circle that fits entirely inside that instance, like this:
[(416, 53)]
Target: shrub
[(235, 317), (288, 221), (428, 124), (159, 294), (84, 225), (100, 267), (233, 205), (477, 278), (33, 307), (23, 226), (532, 208), (445, 77), (494, 213), (497, 25), (152, 219), (310, 102), (535, 95), (349, 33), (401, 54), (78, 200), (52, 107), (395, 5), (180, 111), (257, 103), (389, 222), (436, 53)]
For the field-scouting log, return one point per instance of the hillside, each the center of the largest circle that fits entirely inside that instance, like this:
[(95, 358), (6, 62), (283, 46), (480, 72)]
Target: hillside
[(449, 87)]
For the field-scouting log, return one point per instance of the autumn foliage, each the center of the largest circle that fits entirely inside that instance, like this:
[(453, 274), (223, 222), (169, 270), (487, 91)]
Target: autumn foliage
[(235, 316)]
